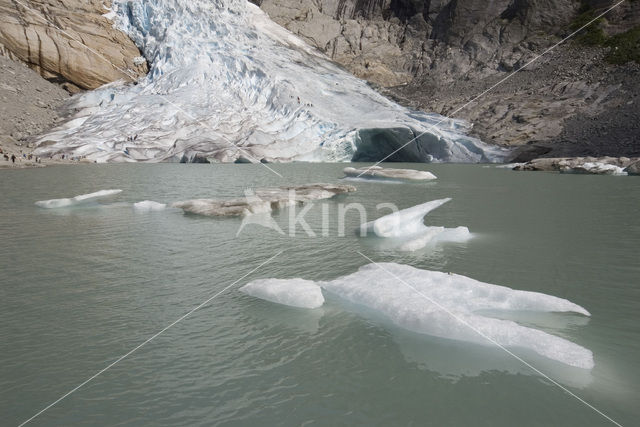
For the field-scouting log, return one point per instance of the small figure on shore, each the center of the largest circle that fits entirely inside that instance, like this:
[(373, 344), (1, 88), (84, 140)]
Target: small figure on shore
[(6, 157), (13, 158)]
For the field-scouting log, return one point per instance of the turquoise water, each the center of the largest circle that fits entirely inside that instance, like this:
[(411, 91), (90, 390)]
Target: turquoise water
[(80, 287)]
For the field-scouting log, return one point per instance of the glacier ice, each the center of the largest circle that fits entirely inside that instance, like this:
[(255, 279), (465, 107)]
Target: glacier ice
[(454, 307), (228, 84), (77, 200), (149, 205), (388, 173), (293, 292), (407, 231), (263, 200)]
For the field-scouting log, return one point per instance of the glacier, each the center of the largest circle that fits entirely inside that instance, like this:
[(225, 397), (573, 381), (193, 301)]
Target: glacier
[(406, 230), (226, 84), (443, 305)]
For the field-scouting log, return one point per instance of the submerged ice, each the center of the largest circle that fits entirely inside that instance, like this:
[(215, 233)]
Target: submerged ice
[(227, 84), (444, 305), (406, 229), (77, 200)]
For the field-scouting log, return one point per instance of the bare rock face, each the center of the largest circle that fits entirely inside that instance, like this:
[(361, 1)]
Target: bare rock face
[(389, 42), (68, 41), (437, 55)]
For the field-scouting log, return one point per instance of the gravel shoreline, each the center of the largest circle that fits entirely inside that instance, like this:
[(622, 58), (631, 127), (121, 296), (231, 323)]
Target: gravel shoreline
[(29, 105)]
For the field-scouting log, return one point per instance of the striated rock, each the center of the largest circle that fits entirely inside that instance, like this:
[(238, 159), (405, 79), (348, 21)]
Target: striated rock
[(379, 172), (263, 200), (585, 165), (68, 41)]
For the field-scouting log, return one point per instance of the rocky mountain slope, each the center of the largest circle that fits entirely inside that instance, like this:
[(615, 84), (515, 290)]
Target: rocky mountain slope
[(436, 55), (68, 42)]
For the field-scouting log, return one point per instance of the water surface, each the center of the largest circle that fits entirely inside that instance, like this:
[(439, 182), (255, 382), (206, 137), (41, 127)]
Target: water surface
[(80, 287)]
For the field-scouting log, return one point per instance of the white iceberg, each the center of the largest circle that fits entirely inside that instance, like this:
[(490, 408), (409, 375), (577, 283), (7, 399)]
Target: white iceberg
[(77, 200), (227, 84), (388, 173), (445, 305), (149, 205), (293, 292), (407, 231)]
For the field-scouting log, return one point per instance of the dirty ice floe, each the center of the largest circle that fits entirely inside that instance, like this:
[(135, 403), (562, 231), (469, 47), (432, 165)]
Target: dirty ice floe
[(388, 173)]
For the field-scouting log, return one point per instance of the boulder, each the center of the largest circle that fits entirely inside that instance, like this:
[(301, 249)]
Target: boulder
[(633, 168)]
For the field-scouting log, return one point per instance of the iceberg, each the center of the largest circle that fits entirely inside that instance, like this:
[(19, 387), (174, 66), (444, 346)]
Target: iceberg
[(227, 84), (388, 173), (596, 168), (263, 200), (407, 231), (293, 292), (449, 306), (149, 205), (77, 200)]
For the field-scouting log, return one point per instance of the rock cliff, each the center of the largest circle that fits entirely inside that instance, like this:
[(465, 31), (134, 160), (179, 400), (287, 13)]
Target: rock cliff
[(436, 55), (68, 42)]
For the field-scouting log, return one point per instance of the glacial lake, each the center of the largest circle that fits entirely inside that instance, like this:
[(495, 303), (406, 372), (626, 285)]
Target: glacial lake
[(81, 286)]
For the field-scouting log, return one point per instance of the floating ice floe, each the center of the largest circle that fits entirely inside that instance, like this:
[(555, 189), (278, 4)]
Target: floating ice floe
[(77, 200), (597, 168), (263, 200), (444, 305), (406, 231), (149, 205), (388, 173), (292, 292), (227, 84)]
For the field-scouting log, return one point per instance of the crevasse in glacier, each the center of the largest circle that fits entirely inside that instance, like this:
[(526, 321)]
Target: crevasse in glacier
[(227, 84)]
